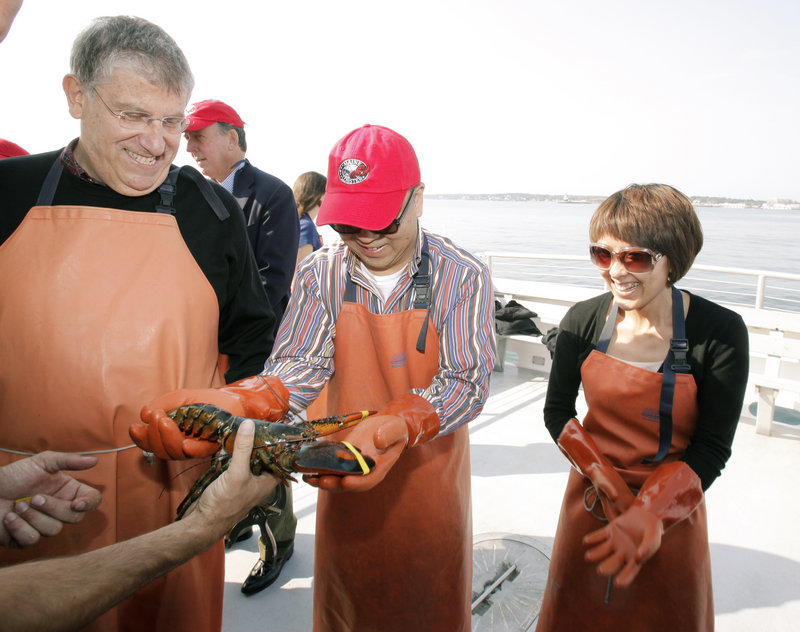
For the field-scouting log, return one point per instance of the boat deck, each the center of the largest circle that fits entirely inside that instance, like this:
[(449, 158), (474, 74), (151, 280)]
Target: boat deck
[(518, 477)]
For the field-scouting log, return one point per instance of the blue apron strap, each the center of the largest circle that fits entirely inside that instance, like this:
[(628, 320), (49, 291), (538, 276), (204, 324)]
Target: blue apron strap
[(608, 329), (675, 362), (48, 190), (349, 289)]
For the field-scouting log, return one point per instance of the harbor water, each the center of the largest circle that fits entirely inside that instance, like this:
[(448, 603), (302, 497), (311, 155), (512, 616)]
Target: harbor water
[(760, 239)]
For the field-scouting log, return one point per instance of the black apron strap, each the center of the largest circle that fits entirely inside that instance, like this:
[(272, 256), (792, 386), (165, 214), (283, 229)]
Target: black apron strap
[(167, 192), (422, 292), (208, 192), (48, 190)]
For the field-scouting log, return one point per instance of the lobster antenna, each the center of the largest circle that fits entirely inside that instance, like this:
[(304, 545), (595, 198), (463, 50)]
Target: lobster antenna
[(185, 471), (289, 414)]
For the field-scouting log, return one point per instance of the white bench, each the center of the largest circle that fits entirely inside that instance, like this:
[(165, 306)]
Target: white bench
[(778, 354), (774, 360)]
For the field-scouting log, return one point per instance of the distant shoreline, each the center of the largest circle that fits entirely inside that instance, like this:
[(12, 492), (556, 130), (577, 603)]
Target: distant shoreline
[(699, 200)]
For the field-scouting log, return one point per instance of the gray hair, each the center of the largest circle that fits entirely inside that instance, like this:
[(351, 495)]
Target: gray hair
[(224, 128), (125, 41)]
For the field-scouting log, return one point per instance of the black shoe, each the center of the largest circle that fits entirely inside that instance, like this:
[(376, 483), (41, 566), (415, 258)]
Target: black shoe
[(265, 573)]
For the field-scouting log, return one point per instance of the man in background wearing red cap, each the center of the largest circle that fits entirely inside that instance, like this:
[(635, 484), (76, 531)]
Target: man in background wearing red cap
[(216, 139), (397, 319)]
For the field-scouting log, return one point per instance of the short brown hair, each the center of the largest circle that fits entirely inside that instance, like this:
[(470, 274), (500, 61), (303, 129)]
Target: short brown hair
[(308, 190), (655, 216)]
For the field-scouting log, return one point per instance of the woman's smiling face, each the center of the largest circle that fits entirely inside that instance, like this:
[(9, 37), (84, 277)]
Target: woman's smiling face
[(633, 291)]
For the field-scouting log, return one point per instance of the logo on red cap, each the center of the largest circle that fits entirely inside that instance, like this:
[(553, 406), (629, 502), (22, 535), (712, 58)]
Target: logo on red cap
[(353, 171)]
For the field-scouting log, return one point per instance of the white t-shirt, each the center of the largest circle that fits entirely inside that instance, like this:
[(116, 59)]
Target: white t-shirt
[(385, 282)]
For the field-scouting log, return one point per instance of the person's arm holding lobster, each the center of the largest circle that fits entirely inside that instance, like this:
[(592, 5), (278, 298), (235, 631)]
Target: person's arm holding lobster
[(67, 593)]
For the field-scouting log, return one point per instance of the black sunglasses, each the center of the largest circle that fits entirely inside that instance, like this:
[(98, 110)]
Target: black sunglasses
[(391, 229)]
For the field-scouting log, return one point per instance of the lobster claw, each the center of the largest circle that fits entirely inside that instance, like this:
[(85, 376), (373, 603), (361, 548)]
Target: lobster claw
[(332, 457)]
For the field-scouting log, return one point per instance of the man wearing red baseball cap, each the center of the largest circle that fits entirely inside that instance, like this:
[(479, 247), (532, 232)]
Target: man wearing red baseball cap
[(396, 319), (216, 139)]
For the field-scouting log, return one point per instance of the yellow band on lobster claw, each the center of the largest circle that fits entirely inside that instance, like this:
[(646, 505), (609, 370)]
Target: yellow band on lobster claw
[(359, 458)]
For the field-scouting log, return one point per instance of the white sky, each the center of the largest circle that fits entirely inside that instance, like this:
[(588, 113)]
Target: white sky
[(536, 96)]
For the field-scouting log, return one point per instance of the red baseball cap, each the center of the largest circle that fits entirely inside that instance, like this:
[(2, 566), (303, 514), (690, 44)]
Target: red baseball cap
[(369, 172), (205, 113), (9, 149)]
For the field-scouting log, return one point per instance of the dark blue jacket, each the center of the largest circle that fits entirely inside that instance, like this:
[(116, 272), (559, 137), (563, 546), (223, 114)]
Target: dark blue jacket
[(273, 229)]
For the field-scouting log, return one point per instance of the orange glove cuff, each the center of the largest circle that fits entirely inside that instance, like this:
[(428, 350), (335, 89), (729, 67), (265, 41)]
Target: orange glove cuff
[(671, 493), (262, 396), (419, 416), (579, 448)]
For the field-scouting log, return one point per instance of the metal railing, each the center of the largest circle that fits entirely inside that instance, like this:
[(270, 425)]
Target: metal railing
[(760, 289)]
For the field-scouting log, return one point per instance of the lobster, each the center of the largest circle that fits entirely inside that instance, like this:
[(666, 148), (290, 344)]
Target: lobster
[(278, 448)]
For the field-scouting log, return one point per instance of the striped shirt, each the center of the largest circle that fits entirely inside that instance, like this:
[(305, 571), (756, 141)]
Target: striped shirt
[(462, 311)]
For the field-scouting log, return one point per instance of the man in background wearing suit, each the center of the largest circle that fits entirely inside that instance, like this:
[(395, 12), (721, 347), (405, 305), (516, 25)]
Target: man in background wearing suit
[(216, 139)]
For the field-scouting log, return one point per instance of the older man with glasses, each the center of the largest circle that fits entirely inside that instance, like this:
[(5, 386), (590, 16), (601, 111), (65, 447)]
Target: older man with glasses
[(396, 319), (122, 278)]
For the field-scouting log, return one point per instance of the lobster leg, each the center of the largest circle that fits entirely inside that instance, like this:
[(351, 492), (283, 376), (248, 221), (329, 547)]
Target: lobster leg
[(208, 477)]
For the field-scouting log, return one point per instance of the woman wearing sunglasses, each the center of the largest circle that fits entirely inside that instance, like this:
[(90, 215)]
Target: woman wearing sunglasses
[(663, 373)]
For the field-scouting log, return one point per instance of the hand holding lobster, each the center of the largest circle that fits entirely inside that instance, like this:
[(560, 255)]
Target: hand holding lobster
[(229, 497), (382, 438), (195, 428), (402, 423), (257, 397)]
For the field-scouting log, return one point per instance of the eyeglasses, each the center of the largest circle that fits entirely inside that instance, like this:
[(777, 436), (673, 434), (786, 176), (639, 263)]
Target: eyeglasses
[(633, 259), (139, 120), (391, 229)]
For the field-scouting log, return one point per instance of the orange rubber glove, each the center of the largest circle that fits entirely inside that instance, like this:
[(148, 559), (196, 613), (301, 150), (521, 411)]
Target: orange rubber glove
[(670, 494), (403, 423), (578, 446), (257, 397)]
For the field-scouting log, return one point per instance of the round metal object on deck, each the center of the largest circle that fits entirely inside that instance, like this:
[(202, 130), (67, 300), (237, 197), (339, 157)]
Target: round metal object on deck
[(508, 580)]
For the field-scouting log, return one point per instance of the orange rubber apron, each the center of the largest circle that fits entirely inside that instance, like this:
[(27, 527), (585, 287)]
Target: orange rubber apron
[(396, 558), (673, 589), (102, 311)]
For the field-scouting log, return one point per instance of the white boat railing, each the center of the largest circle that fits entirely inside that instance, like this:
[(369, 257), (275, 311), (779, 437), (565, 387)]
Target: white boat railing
[(758, 289)]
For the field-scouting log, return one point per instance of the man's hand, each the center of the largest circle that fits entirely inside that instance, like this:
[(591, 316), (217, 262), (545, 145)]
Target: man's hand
[(381, 437), (257, 397), (37, 497), (234, 493)]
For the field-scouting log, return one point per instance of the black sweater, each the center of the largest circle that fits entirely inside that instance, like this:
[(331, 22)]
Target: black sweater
[(718, 355), (220, 248)]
